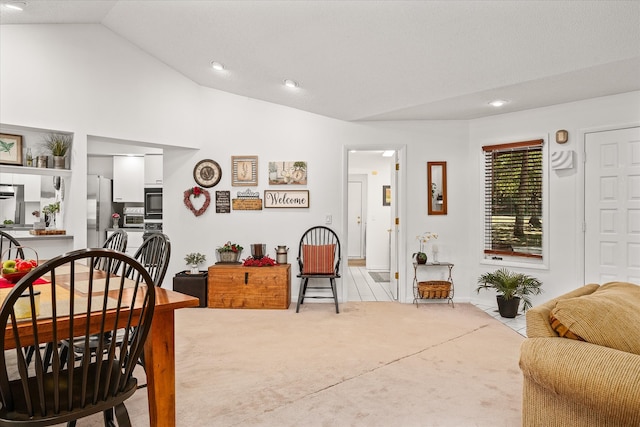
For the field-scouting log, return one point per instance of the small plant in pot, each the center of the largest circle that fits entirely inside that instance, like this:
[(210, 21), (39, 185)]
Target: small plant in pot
[(57, 144), (512, 288), (421, 256), (194, 259)]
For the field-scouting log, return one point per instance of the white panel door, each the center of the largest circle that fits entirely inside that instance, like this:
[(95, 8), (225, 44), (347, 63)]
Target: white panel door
[(355, 219), (612, 206)]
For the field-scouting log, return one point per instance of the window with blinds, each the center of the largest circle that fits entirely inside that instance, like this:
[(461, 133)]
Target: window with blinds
[(513, 199)]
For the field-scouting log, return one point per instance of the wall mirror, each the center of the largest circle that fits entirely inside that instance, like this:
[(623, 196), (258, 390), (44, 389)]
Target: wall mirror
[(437, 188)]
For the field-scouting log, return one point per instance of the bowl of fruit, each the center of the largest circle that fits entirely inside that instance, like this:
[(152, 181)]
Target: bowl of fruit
[(15, 269)]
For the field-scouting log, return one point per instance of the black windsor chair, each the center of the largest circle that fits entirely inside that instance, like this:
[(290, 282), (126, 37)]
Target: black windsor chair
[(12, 247), (78, 300), (318, 258)]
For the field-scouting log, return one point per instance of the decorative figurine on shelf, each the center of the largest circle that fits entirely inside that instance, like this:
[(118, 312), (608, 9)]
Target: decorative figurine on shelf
[(194, 259), (116, 219), (421, 256)]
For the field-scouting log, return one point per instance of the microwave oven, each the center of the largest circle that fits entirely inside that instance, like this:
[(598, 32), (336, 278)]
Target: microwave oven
[(152, 203)]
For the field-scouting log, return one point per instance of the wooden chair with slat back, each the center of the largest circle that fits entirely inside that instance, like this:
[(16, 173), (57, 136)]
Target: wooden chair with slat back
[(154, 255), (117, 242), (75, 300), (10, 248), (318, 258)]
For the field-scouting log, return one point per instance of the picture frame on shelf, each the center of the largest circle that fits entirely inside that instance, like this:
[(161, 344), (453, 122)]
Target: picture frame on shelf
[(244, 171), (10, 149), (386, 195)]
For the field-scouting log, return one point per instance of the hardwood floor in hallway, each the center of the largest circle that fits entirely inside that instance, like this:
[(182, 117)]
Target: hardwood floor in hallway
[(362, 287)]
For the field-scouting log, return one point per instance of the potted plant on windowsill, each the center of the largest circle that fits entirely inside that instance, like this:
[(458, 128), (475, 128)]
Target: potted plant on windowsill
[(511, 287), (194, 259)]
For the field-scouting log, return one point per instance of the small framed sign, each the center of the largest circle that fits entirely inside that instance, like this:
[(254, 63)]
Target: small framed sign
[(386, 195), (286, 198)]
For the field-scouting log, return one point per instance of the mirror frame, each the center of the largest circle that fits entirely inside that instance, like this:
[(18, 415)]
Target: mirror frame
[(430, 175)]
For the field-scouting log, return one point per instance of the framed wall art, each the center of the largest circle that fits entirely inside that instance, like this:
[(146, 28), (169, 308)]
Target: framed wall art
[(244, 171), (10, 149), (286, 198), (386, 195), (288, 173)]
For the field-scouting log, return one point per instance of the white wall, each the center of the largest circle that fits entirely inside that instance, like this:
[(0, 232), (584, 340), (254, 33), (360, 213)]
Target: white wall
[(564, 230), (86, 80)]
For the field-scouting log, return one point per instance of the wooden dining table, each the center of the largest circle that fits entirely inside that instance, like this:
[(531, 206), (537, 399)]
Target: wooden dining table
[(159, 349)]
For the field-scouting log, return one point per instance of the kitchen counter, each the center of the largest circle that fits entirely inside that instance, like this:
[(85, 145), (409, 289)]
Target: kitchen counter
[(24, 235), (43, 247)]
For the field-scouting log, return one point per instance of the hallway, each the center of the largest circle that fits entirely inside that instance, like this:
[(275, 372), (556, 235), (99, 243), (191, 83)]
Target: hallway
[(362, 287)]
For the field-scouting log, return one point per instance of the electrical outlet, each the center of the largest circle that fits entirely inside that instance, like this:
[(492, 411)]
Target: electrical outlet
[(327, 219)]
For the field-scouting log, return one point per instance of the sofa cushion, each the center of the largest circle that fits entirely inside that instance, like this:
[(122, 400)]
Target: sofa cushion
[(609, 317)]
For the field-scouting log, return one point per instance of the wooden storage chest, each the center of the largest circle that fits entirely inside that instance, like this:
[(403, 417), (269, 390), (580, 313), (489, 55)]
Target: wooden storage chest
[(236, 286)]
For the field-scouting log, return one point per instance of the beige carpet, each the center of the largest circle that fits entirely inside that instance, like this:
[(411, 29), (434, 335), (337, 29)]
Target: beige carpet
[(374, 364)]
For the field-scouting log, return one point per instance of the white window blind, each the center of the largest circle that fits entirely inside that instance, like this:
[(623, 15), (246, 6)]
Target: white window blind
[(513, 199)]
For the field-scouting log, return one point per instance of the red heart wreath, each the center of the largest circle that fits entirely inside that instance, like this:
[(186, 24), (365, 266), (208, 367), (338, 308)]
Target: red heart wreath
[(196, 192)]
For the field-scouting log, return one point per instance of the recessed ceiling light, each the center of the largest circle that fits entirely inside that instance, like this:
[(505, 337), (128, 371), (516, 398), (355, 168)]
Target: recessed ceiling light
[(16, 5), (217, 66), (498, 103), (291, 83)]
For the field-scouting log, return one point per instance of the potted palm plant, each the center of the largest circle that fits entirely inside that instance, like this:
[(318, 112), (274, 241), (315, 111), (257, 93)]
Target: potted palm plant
[(511, 287), (58, 144)]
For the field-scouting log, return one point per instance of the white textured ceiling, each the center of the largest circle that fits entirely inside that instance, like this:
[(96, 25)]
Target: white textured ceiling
[(381, 60)]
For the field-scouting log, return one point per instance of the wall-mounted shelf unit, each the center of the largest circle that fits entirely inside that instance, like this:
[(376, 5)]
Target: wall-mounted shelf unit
[(35, 171)]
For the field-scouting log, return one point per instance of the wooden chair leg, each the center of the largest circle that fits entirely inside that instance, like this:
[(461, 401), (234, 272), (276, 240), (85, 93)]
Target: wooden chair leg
[(301, 292), (335, 293), (122, 416)]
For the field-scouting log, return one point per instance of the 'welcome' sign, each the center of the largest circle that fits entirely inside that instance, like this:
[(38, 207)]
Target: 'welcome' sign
[(286, 198)]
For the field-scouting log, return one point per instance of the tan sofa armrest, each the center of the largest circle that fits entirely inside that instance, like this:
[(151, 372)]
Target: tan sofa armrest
[(600, 378), (538, 324)]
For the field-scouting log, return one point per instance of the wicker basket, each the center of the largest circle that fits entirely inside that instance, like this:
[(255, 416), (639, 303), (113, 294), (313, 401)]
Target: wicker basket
[(434, 289)]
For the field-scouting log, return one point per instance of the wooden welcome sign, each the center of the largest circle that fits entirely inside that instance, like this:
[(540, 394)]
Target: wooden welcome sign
[(286, 198)]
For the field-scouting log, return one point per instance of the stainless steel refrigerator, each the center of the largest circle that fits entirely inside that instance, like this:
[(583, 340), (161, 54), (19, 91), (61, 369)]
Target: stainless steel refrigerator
[(98, 209)]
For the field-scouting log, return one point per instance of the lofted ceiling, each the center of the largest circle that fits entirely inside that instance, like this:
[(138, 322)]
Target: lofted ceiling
[(380, 60)]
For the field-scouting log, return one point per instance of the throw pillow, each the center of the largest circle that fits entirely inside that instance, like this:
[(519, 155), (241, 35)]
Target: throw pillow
[(608, 317), (318, 259)]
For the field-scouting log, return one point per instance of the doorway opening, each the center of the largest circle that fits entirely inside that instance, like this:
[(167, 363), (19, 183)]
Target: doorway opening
[(371, 230)]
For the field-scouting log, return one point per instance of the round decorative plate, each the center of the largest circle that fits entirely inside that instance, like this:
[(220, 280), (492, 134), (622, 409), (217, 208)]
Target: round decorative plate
[(207, 173)]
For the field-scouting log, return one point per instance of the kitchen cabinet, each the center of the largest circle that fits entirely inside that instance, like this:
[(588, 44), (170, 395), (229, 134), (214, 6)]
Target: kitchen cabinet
[(128, 179), (31, 184), (152, 169)]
